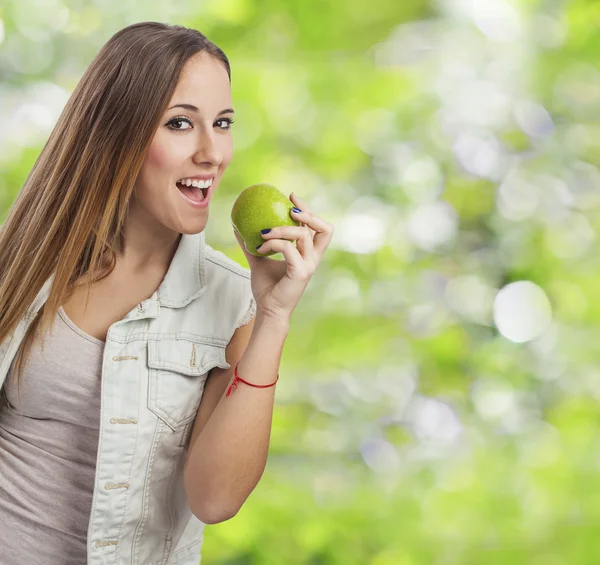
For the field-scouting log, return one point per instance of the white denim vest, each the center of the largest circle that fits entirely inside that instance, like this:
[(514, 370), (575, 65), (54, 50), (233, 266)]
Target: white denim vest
[(156, 361)]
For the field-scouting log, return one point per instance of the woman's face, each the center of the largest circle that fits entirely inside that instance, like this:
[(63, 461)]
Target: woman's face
[(189, 142)]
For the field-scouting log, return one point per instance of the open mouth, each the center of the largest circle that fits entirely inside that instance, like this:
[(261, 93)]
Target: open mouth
[(196, 192)]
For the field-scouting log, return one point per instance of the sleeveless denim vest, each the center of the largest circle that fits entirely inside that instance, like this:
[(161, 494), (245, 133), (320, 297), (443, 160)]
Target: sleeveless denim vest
[(156, 361)]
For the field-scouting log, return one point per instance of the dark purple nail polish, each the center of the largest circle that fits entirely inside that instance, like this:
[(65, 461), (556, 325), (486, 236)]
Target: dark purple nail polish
[(297, 210), (265, 231)]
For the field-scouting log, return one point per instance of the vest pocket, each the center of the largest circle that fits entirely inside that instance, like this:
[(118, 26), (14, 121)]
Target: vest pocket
[(177, 371)]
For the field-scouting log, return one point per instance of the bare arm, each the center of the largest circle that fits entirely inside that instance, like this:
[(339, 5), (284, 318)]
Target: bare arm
[(230, 439)]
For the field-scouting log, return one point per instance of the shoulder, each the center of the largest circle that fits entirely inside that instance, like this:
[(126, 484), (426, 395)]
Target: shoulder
[(228, 278), (220, 261)]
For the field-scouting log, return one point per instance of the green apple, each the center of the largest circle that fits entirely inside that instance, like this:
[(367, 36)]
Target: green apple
[(258, 207)]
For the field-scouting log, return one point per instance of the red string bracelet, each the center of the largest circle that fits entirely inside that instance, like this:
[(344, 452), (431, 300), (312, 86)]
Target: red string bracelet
[(239, 379)]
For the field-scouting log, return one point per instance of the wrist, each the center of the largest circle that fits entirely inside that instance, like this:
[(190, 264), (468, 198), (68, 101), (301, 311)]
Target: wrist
[(279, 324)]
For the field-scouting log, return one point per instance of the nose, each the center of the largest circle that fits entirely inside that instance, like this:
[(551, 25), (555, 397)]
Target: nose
[(207, 150)]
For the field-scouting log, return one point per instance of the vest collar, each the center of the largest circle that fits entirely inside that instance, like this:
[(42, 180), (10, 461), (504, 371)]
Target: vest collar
[(185, 280)]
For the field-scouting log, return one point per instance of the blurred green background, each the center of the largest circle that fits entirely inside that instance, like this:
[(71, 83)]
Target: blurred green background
[(439, 399)]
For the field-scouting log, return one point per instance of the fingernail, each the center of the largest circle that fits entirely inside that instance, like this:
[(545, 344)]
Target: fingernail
[(297, 210), (265, 231), (259, 246)]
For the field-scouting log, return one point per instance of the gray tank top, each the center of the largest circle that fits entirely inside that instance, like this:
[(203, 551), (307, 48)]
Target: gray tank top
[(48, 446)]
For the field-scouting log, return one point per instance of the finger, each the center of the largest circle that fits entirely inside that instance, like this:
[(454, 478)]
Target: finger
[(296, 267), (323, 230), (300, 205), (301, 235)]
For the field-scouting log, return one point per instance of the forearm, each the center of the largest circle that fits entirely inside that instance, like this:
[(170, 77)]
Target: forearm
[(230, 454)]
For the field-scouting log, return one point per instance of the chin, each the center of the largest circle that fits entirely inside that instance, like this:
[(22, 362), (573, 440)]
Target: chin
[(193, 230)]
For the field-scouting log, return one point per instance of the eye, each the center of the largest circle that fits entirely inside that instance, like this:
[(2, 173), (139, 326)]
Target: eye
[(179, 120), (226, 121)]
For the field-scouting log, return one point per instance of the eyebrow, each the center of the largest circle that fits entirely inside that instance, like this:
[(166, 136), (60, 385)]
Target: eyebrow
[(192, 108)]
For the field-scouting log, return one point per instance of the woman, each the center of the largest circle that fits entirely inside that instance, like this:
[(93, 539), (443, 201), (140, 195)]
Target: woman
[(144, 408)]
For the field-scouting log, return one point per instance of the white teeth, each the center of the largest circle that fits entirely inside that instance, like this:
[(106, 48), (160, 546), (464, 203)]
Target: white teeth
[(196, 183)]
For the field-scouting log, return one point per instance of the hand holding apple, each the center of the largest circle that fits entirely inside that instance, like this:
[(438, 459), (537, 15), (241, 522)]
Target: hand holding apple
[(260, 206), (278, 286)]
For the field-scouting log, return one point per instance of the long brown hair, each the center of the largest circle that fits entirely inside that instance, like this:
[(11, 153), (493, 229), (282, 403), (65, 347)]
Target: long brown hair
[(67, 219)]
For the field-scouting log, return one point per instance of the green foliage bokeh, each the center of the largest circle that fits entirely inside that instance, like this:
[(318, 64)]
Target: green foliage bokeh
[(455, 146)]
